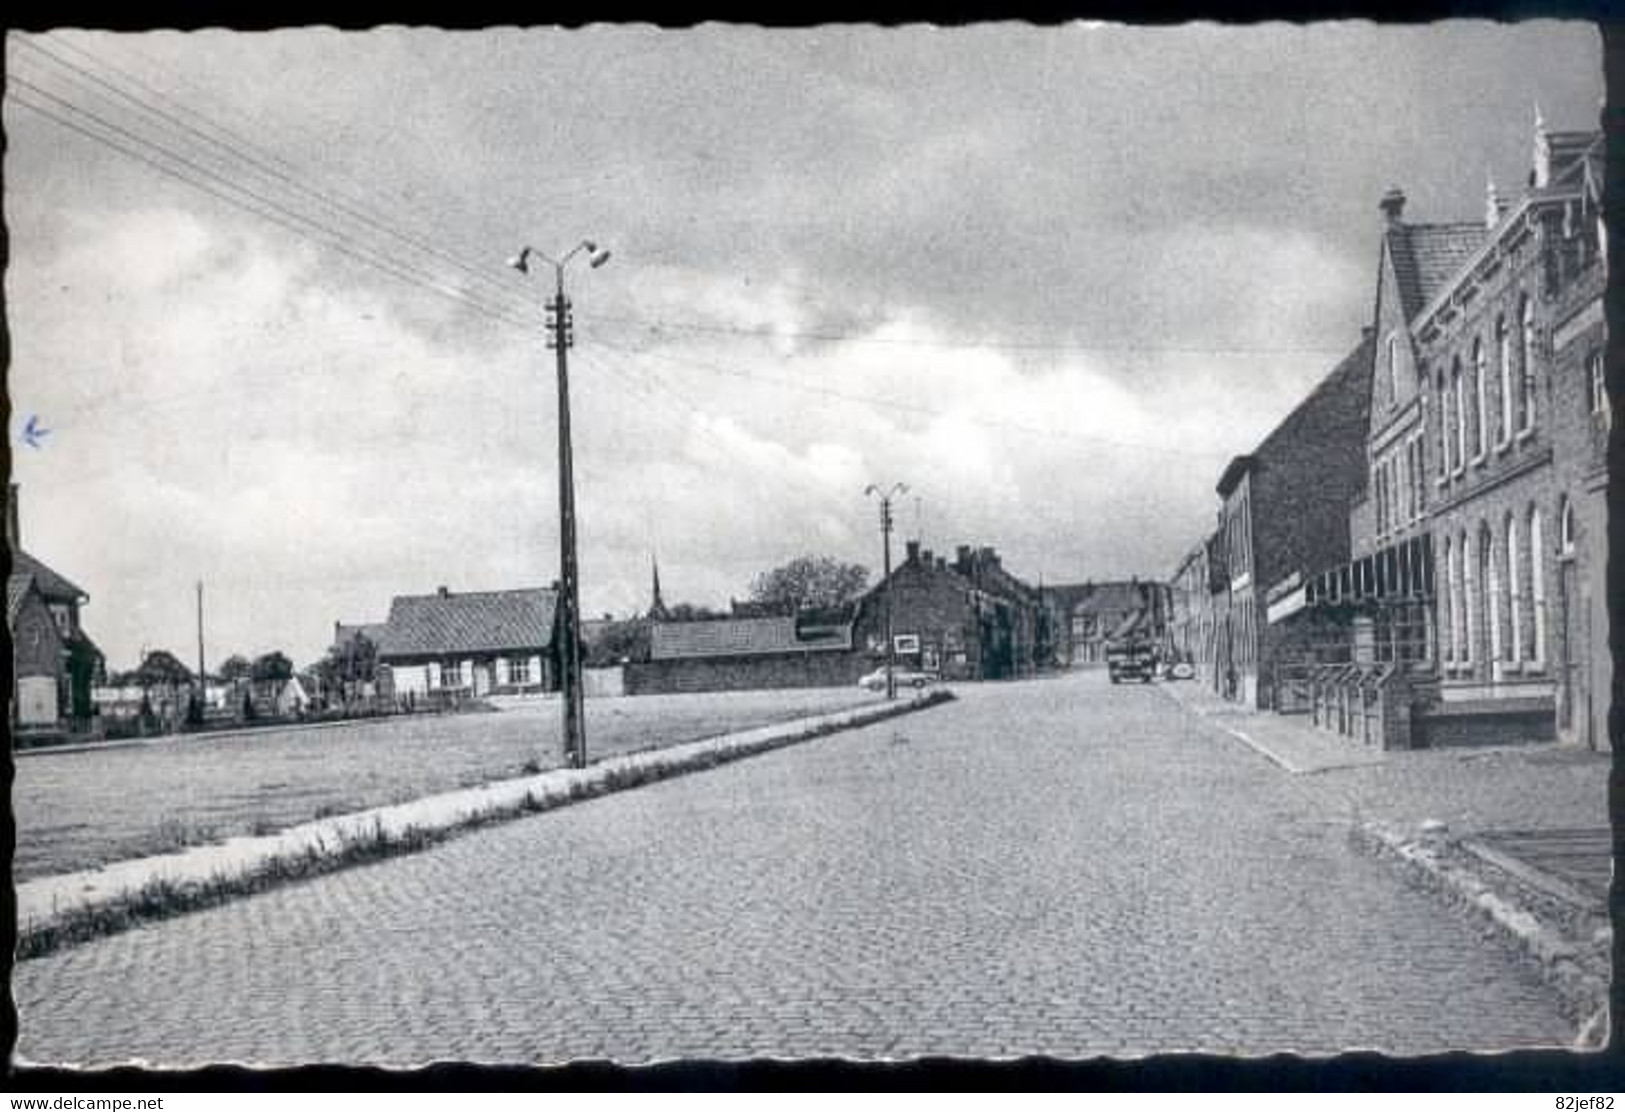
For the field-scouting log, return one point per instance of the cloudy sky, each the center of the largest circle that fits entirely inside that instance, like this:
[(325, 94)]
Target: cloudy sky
[(1052, 279)]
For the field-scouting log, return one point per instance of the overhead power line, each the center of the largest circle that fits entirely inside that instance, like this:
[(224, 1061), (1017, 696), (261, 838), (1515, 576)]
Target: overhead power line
[(836, 337), (877, 402), (250, 159), (222, 187), (437, 224)]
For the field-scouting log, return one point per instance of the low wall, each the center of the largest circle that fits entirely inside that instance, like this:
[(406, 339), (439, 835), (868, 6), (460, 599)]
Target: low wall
[(1482, 723), (745, 673)]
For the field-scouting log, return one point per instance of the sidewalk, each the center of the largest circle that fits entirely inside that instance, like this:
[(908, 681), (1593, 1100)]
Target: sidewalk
[(1518, 835), (1289, 742)]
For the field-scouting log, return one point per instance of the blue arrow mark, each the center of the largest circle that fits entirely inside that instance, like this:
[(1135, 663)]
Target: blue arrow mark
[(33, 433)]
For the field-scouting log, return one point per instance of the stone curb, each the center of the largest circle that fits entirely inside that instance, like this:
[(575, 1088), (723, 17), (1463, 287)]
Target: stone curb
[(1584, 996), (70, 907)]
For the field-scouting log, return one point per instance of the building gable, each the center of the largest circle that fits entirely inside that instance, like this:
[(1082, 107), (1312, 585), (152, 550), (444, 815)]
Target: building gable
[(1393, 378), (36, 642)]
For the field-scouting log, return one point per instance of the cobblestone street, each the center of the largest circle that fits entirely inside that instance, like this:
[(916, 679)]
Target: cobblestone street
[(1060, 867)]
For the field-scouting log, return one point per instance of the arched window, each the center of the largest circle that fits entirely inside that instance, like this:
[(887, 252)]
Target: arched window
[(1449, 602), (1537, 585), (1481, 423), (1376, 497), (1503, 356), (1514, 592), (1598, 381), (1443, 420), (1526, 315), (1458, 389), (1490, 580), (1468, 600), (1565, 526)]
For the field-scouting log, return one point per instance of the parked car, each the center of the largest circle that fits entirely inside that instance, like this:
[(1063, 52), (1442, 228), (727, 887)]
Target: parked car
[(903, 677), (1179, 670)]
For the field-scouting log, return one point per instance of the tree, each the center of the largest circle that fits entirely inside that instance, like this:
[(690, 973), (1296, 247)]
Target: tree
[(686, 612), (810, 581), (162, 669), (235, 668), (272, 666), (618, 641), (349, 663)]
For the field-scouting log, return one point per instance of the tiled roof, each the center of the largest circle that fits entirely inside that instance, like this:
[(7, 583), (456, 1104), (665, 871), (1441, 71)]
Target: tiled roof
[(17, 584), (1427, 256), (1109, 596), (1350, 379), (54, 587), (475, 622), (735, 637)]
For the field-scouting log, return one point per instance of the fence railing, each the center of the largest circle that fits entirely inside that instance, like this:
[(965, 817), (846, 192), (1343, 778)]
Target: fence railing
[(1366, 702)]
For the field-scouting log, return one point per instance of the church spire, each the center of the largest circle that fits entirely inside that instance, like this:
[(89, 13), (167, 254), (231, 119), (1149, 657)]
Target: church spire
[(657, 606)]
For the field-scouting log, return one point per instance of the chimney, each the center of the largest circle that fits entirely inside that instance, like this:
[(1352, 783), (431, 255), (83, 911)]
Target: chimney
[(925, 558), (443, 592), (1493, 205), (14, 533), (913, 552), (1393, 206), (962, 556), (942, 563)]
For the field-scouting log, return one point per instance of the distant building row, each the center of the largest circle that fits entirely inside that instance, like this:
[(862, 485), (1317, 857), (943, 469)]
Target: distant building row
[(964, 618), (1416, 555)]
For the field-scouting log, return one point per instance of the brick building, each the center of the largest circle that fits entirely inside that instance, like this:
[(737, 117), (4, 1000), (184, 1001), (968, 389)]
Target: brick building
[(1284, 513), (968, 619), (813, 649), (1190, 611), (1085, 616), (55, 665), (1511, 355)]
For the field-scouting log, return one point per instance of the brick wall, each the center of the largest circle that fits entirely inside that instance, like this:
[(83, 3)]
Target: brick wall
[(1305, 478), (807, 669), (1543, 467), (932, 602)]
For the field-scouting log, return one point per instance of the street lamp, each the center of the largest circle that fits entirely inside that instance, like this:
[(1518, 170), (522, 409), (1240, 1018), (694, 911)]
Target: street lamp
[(885, 496), (559, 325)]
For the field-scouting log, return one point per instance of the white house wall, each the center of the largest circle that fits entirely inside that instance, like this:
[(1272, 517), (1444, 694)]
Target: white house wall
[(420, 679)]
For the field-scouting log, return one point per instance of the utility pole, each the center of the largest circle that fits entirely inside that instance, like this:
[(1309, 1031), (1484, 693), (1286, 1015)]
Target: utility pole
[(202, 676), (575, 738), (561, 337), (885, 548)]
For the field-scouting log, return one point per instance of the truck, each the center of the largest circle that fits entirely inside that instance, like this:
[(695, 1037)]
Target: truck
[(1132, 658)]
